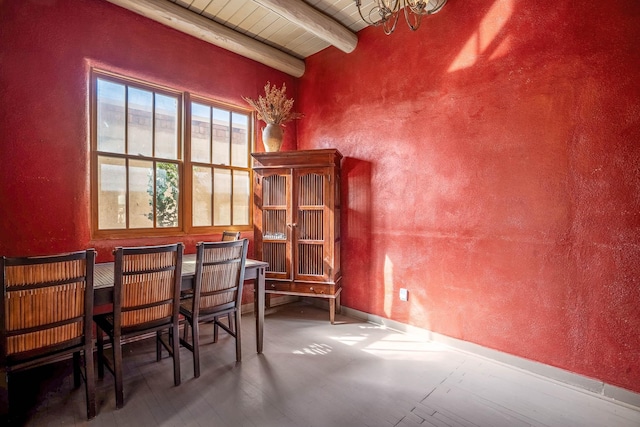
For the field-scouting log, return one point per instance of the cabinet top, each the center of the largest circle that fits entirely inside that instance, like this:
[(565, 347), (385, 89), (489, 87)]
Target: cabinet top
[(321, 157)]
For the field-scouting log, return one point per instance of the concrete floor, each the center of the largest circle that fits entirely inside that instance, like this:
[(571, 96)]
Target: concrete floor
[(316, 374)]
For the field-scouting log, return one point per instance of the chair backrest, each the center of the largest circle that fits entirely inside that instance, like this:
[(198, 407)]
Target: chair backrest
[(146, 289), (47, 304), (230, 235), (219, 275)]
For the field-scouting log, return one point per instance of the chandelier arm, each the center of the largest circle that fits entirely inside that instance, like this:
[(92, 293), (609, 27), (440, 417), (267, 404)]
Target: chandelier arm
[(394, 20), (367, 21), (418, 7), (413, 11), (417, 18)]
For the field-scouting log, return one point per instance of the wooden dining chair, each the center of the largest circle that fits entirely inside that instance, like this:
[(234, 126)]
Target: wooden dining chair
[(146, 297), (218, 281), (226, 237), (47, 304), (230, 235)]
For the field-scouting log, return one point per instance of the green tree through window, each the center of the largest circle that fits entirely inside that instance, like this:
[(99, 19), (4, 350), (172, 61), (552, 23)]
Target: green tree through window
[(166, 199)]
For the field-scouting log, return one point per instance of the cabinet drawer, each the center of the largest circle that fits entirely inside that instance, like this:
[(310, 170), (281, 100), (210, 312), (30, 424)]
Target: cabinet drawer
[(312, 288), (302, 288), (278, 286)]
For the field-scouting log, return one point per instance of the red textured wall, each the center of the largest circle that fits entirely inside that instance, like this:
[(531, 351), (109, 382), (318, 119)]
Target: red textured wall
[(493, 168), (47, 49), (492, 160)]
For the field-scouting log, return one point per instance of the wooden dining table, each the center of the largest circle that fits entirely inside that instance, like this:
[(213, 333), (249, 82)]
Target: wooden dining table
[(253, 270)]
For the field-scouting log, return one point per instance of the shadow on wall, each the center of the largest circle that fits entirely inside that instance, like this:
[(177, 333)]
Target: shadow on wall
[(356, 233)]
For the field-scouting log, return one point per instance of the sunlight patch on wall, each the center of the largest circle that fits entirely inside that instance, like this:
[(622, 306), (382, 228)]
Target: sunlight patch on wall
[(388, 286), (489, 28)]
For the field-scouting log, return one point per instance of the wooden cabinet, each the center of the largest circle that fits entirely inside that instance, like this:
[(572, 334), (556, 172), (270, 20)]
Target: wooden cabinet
[(297, 222)]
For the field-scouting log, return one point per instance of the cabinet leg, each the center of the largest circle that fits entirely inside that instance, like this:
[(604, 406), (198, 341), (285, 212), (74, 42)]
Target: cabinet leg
[(332, 310)]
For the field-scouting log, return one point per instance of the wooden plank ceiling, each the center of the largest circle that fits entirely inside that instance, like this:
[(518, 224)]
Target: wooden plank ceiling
[(277, 33), (258, 21)]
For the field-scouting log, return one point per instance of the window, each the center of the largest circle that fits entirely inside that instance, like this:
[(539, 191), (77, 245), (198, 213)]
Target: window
[(219, 165), (142, 181)]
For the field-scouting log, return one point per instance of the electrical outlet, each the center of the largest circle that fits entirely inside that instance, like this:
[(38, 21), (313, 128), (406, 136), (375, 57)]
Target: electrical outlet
[(404, 294)]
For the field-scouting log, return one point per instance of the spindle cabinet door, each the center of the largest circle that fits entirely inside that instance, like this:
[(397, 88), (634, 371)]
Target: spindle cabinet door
[(277, 223), (311, 227)]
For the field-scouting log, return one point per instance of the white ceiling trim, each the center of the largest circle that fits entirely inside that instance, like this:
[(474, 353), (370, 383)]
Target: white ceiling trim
[(183, 20)]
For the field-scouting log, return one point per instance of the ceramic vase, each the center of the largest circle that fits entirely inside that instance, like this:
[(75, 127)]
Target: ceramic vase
[(272, 137)]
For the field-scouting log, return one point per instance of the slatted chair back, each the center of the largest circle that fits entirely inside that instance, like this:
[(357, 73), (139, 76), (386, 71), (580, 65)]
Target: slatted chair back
[(146, 286), (219, 276), (230, 235), (46, 312), (47, 304)]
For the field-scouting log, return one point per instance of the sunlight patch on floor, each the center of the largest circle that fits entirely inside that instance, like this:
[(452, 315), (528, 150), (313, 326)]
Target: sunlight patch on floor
[(397, 345), (314, 349)]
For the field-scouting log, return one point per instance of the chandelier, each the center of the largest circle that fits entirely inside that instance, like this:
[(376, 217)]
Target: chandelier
[(386, 12)]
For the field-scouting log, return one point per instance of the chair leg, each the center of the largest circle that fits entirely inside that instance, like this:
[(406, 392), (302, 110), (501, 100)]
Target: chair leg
[(215, 326), (158, 346), (90, 381), (174, 337), (230, 322), (195, 342), (4, 396), (117, 371), (100, 355), (77, 374), (237, 336), (185, 334)]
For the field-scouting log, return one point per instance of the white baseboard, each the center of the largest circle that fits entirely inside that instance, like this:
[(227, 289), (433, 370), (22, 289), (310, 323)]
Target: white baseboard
[(567, 378)]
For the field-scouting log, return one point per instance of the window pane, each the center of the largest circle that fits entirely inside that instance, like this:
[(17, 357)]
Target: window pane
[(140, 194), (112, 191), (220, 130), (240, 140), (222, 196), (140, 122), (200, 133), (110, 116), (167, 190), (166, 118), (202, 189), (240, 198)]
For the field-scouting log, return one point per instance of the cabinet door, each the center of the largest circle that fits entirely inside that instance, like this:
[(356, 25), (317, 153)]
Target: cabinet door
[(312, 215), (277, 223)]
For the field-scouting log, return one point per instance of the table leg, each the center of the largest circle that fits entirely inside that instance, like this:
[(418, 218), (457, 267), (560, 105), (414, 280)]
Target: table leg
[(259, 293)]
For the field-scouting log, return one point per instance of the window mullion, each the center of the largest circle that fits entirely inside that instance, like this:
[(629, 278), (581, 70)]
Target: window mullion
[(210, 135), (154, 196), (213, 192), (126, 193), (211, 168)]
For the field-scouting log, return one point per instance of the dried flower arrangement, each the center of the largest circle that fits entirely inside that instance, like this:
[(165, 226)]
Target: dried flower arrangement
[(274, 108)]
